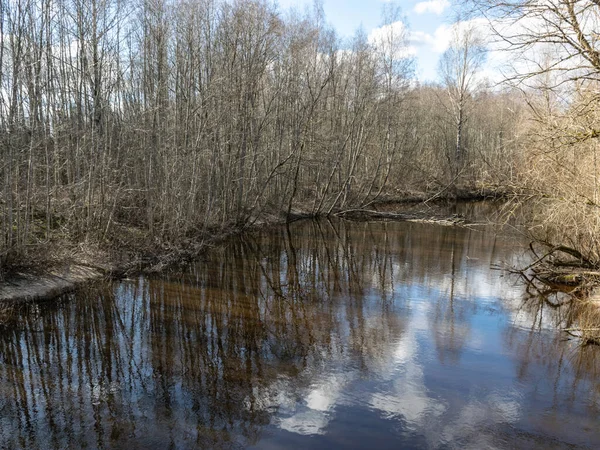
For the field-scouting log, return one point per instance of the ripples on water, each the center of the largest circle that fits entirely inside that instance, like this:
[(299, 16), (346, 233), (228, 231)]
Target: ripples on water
[(317, 335)]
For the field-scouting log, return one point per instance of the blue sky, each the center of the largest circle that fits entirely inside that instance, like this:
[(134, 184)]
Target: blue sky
[(428, 22)]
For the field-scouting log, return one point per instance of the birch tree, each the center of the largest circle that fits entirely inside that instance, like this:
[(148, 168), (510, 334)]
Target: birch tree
[(459, 66)]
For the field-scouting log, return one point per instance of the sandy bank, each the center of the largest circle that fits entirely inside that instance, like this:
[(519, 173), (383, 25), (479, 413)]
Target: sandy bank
[(28, 286)]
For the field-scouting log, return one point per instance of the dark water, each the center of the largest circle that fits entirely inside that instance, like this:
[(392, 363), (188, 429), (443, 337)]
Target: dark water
[(317, 335)]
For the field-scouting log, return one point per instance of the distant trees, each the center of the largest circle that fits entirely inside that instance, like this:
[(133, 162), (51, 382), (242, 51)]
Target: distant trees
[(155, 120)]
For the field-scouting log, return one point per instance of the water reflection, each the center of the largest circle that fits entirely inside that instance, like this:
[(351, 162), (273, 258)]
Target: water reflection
[(320, 334)]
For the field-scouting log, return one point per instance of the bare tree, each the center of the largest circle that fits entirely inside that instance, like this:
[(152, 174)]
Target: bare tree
[(555, 52), (555, 42), (458, 67), (133, 124)]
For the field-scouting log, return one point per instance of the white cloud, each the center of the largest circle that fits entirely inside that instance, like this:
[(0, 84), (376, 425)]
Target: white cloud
[(391, 39), (432, 45), (439, 41), (432, 6)]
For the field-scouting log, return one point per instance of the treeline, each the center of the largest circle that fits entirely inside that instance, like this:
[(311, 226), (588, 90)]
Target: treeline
[(160, 119)]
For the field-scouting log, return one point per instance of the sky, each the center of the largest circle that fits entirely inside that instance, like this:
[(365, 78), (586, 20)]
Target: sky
[(428, 21)]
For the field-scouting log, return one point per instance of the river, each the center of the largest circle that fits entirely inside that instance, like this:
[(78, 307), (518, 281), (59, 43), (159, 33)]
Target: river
[(321, 334)]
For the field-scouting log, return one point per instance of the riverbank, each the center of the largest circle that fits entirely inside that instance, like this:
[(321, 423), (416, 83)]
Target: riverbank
[(85, 266), (86, 263)]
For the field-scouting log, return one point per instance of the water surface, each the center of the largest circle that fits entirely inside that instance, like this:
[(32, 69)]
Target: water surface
[(315, 335)]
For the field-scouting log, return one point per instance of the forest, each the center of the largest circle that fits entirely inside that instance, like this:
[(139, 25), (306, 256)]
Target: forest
[(140, 127)]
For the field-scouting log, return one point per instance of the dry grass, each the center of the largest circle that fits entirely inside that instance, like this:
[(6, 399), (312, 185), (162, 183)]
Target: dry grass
[(560, 181)]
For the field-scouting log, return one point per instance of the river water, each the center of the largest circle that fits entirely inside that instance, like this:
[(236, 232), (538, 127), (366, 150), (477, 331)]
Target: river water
[(320, 334)]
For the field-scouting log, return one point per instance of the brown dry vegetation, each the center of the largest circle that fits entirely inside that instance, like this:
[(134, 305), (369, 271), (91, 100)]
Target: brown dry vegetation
[(563, 178), (140, 128)]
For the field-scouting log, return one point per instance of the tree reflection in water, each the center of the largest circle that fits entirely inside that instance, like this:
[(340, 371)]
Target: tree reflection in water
[(286, 332)]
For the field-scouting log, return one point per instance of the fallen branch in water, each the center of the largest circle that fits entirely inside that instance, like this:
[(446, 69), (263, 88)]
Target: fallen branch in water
[(580, 333), (408, 217), (579, 273), (583, 317), (581, 330)]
